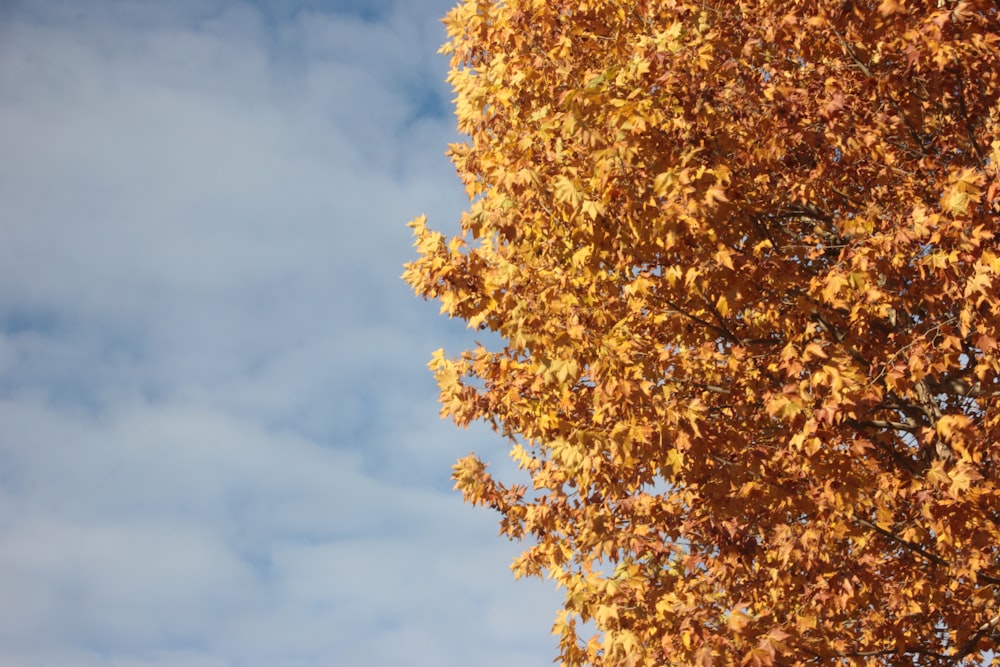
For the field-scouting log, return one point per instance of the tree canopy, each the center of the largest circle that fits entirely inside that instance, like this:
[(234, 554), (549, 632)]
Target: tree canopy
[(742, 256)]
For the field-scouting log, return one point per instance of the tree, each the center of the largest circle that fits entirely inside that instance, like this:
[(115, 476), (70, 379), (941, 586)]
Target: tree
[(742, 256)]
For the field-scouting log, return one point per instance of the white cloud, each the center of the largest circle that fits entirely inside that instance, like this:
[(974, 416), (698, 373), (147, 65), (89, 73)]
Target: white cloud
[(165, 526), (220, 441)]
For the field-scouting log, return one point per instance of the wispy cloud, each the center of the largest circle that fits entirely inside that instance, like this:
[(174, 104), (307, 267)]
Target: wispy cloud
[(220, 443)]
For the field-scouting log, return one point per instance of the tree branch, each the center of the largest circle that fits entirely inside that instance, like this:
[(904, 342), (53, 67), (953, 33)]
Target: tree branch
[(882, 423), (916, 548), (728, 335)]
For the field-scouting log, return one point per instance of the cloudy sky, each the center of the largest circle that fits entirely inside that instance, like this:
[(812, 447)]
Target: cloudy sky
[(219, 443)]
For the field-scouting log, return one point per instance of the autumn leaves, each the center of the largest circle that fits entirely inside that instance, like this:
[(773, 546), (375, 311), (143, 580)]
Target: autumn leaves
[(743, 259)]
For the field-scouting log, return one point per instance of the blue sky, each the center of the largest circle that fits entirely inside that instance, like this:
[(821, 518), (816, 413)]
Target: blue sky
[(220, 442)]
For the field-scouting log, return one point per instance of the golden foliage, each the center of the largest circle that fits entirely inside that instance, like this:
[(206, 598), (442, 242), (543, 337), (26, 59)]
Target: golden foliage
[(743, 259)]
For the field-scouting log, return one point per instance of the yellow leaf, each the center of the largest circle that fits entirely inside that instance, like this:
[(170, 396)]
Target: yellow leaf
[(664, 182), (566, 191), (722, 305), (592, 209), (738, 620), (724, 256), (889, 7), (715, 194), (962, 477)]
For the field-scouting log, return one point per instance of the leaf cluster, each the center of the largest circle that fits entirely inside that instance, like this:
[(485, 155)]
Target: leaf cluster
[(743, 259)]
